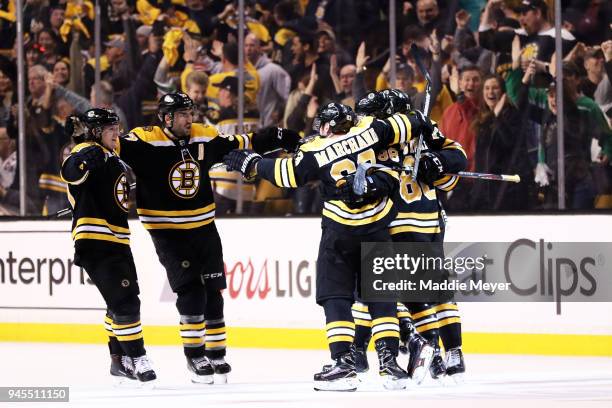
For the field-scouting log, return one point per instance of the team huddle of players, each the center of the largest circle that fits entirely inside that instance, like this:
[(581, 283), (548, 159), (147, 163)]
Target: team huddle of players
[(175, 204)]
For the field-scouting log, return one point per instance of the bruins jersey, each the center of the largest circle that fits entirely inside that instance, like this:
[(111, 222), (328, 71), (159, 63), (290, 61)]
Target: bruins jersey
[(418, 208), (330, 159), (99, 200)]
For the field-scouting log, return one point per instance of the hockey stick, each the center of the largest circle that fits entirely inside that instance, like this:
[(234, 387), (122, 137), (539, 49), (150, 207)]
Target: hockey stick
[(362, 172), (512, 178), (414, 50)]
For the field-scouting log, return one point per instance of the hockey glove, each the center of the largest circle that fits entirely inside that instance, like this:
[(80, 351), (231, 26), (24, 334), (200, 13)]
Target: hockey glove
[(431, 168), (430, 132), (270, 138), (90, 158), (358, 193), (243, 161)]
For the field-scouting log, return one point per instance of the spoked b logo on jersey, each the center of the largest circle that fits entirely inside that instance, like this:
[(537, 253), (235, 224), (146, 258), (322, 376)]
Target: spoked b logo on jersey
[(518, 271)]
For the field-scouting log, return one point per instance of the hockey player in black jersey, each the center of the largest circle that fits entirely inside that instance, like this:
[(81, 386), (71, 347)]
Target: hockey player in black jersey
[(333, 158), (419, 219), (175, 204), (98, 193)]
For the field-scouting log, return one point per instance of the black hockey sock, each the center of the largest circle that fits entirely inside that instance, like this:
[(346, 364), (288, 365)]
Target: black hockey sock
[(363, 325), (215, 337), (385, 325), (450, 325), (340, 326), (192, 329), (128, 331), (425, 321), (113, 344)]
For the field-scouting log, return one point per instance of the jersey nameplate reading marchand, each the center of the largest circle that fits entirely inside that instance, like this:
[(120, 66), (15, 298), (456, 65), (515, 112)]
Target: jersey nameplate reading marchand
[(346, 147)]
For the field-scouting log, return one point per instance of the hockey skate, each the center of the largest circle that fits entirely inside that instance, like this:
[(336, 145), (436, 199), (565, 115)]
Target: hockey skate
[(361, 361), (341, 376), (393, 376), (222, 369), (437, 370), (143, 370), (421, 354), (202, 371), (121, 368), (455, 366)]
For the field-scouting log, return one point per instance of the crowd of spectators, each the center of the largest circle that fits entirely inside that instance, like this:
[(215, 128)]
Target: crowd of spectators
[(492, 65)]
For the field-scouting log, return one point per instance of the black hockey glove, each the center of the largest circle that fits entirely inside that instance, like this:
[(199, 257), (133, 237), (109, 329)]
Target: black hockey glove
[(426, 127), (431, 167), (346, 192), (270, 138), (243, 161), (90, 158), (358, 193)]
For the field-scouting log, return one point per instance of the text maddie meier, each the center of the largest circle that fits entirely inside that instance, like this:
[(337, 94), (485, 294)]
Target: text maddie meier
[(406, 285)]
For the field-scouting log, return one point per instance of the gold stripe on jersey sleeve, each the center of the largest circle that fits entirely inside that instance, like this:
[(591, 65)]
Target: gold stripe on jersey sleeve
[(170, 225), (101, 221), (101, 237), (277, 173), (165, 213), (418, 216), (440, 184), (450, 144), (291, 172), (357, 222), (410, 228)]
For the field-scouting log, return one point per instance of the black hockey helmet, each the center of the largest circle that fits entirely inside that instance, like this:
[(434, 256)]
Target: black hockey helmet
[(377, 104), (340, 117), (94, 120), (400, 101), (173, 102)]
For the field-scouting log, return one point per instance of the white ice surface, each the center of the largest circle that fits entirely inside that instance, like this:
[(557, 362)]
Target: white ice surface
[(282, 378)]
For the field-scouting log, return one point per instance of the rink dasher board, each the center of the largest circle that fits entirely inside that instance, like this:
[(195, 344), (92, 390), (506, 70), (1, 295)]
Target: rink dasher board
[(270, 303)]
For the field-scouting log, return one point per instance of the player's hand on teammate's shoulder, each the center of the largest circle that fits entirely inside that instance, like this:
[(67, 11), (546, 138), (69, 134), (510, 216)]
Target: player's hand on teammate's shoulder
[(91, 158), (425, 126)]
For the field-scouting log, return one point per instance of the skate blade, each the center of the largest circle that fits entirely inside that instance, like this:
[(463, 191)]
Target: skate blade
[(341, 384), (392, 383), (202, 379), (456, 379), (148, 385), (419, 373), (124, 382), (220, 378)]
